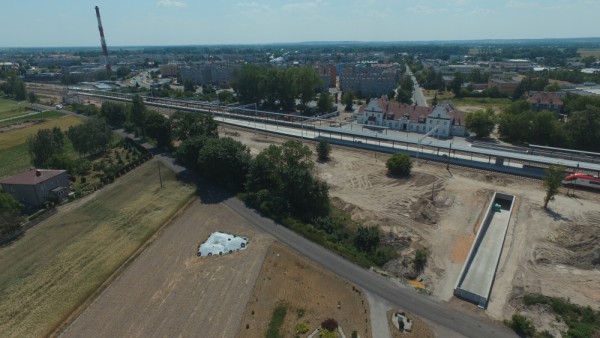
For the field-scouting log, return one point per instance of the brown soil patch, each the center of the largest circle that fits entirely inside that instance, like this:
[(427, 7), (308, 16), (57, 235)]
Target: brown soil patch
[(310, 294), (461, 248)]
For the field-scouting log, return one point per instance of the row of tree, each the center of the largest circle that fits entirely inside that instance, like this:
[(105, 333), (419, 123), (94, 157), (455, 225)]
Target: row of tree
[(518, 123), (47, 146), (277, 88)]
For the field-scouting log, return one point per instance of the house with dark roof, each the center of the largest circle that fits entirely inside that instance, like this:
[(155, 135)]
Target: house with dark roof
[(33, 187), (545, 101), (443, 118)]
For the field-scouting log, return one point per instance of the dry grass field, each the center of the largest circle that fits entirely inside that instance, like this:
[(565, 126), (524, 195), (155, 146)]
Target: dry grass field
[(309, 293), (59, 263), (169, 292)]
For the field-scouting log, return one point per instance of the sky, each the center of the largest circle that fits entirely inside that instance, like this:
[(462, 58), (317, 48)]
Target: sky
[(72, 23)]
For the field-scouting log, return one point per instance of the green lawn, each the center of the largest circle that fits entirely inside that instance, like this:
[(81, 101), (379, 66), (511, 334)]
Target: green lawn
[(59, 263), (51, 114), (10, 108)]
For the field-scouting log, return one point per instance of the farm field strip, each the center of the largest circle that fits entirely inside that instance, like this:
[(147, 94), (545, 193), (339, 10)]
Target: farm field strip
[(18, 136), (62, 261)]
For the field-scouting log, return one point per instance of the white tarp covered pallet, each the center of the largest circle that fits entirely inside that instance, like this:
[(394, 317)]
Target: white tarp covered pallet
[(220, 243)]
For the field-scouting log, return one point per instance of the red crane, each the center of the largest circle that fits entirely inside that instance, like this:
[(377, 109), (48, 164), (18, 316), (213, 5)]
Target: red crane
[(104, 49)]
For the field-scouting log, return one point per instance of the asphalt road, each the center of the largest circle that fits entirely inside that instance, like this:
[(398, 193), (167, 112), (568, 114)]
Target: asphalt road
[(418, 91), (403, 297)]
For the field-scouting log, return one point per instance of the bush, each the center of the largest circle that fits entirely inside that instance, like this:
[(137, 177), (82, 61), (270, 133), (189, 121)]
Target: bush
[(399, 164), (329, 324), (420, 259), (302, 327), (521, 325), (323, 150)]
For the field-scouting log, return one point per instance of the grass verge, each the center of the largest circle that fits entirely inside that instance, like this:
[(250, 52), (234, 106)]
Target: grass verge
[(276, 322), (61, 262)]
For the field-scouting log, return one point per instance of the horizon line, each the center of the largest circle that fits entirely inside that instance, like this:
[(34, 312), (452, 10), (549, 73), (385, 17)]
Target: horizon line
[(320, 42)]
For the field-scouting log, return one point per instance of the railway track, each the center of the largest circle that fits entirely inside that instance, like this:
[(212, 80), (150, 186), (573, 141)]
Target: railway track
[(364, 151)]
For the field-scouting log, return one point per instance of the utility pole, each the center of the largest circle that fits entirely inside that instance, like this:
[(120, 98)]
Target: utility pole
[(159, 175)]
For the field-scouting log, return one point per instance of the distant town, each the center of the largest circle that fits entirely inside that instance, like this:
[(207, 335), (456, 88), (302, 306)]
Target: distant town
[(319, 189)]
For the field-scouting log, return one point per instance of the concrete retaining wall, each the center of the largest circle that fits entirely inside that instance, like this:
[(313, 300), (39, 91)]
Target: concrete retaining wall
[(477, 275)]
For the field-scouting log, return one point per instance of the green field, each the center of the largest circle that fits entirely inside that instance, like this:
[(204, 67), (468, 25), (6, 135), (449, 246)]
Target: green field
[(51, 114), (59, 263), (10, 108), (14, 156)]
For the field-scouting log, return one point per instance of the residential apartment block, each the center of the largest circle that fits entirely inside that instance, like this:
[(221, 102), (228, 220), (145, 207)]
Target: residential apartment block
[(370, 80)]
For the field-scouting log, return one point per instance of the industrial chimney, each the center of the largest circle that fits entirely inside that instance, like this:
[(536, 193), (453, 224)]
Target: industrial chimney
[(104, 49)]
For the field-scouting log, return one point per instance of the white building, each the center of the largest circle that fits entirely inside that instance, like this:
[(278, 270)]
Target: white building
[(383, 113)]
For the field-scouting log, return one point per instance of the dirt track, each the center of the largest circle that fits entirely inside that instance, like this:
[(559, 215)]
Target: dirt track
[(168, 291)]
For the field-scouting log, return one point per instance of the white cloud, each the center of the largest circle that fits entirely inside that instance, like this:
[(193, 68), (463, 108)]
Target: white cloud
[(252, 8), (521, 4), (171, 3), (421, 9), (299, 6)]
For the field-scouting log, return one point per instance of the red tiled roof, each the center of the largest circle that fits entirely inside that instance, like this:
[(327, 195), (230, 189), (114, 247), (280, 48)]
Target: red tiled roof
[(545, 98), (400, 109), (30, 177)]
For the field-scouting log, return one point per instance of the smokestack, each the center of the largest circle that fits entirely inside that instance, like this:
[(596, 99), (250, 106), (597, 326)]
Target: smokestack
[(104, 49)]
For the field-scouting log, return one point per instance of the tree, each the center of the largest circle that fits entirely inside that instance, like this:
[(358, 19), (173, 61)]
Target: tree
[(306, 82), (189, 86), (113, 113), (456, 84), (45, 144), (323, 150), (188, 150), (407, 84), (404, 96), (123, 71), (185, 125), (246, 84), (367, 238), (90, 137), (553, 178), (226, 161), (583, 129), (420, 259), (32, 97), (325, 103), (481, 122), (399, 164), (280, 183), (158, 127), (348, 99), (10, 213), (138, 113)]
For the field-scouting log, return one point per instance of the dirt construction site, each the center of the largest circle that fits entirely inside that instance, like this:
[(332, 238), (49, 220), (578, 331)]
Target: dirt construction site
[(168, 291), (554, 252)]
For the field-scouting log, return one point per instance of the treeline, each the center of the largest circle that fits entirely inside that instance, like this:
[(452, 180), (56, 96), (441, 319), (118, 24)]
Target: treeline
[(15, 88), (520, 124), (277, 88), (280, 183)]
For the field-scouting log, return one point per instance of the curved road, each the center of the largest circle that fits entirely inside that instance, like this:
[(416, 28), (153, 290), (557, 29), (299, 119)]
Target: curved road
[(403, 297)]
